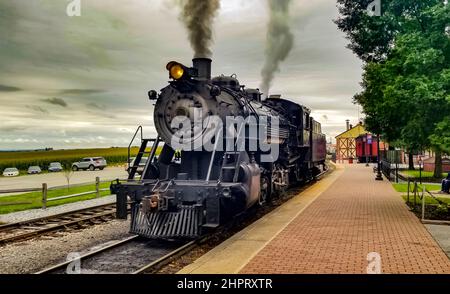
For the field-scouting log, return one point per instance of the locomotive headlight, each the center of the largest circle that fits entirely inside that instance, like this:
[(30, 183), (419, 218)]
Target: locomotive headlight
[(176, 70)]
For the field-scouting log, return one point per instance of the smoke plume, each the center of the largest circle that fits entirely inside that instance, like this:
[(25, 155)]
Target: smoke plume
[(279, 43), (198, 16)]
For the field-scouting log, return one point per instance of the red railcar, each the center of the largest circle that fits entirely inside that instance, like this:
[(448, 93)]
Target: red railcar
[(366, 148)]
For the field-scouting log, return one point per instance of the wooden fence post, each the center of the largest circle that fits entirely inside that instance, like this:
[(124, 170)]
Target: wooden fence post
[(44, 195), (97, 187)]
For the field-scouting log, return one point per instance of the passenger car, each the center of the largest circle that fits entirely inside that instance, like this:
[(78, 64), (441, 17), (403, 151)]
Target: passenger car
[(55, 167), (11, 172), (89, 163), (34, 170)]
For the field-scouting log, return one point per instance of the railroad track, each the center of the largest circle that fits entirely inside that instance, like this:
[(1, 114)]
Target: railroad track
[(19, 231), (133, 255)]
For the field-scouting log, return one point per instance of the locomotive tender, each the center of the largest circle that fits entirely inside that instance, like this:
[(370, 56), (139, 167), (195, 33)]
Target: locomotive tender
[(185, 191)]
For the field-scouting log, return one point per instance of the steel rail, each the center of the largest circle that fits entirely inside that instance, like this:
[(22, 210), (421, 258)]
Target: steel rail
[(55, 222), (159, 263), (89, 254)]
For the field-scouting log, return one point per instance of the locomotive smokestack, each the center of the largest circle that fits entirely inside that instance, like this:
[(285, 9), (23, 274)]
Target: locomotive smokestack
[(203, 66)]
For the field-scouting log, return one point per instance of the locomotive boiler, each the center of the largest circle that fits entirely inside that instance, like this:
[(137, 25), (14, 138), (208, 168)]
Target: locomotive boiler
[(220, 149)]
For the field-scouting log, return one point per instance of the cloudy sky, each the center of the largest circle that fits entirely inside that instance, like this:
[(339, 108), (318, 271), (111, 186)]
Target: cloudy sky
[(71, 82)]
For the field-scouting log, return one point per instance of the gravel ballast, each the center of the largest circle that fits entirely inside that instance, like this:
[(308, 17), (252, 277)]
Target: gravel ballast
[(36, 254)]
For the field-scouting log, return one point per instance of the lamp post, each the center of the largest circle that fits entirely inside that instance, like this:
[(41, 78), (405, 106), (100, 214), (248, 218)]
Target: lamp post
[(369, 143), (379, 177), (420, 169)]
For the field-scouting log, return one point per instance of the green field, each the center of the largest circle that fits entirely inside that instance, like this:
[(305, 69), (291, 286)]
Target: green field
[(23, 159), (35, 198)]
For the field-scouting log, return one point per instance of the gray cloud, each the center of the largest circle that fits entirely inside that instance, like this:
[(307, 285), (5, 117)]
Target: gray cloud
[(4, 88), (37, 108), (13, 128), (56, 101), (80, 91), (117, 51), (95, 105)]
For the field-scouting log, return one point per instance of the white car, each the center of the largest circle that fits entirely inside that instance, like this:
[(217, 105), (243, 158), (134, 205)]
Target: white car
[(11, 172), (89, 163)]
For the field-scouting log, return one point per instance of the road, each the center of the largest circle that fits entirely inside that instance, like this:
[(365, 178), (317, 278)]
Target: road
[(58, 179)]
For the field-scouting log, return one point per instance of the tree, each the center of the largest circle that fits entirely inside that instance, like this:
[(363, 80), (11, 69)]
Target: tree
[(68, 173), (406, 72), (373, 38)]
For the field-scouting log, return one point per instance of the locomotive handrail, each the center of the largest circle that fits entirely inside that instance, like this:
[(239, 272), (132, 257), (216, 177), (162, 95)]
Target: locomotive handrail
[(236, 171), (131, 143), (213, 155), (251, 108), (151, 156)]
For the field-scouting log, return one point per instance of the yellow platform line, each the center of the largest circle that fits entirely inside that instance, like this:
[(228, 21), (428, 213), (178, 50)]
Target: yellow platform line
[(232, 255)]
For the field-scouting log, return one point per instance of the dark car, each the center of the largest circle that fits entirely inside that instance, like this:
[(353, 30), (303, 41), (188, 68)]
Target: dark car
[(55, 167), (34, 170)]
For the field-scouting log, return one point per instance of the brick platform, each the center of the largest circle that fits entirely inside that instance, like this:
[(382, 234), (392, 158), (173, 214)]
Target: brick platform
[(356, 215)]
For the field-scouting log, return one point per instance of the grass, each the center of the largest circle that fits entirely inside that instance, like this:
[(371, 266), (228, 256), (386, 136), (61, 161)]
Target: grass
[(428, 199), (36, 198), (24, 159), (404, 187), (416, 174), (436, 208)]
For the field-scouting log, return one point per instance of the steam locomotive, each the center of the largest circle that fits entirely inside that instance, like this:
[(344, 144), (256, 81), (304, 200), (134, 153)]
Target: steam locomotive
[(186, 189)]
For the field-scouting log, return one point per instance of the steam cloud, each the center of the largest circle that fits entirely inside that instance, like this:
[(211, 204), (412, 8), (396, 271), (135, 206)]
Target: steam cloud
[(279, 43), (198, 16)]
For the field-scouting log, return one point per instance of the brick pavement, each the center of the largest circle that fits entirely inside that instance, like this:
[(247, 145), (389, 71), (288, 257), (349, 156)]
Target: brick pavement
[(356, 215)]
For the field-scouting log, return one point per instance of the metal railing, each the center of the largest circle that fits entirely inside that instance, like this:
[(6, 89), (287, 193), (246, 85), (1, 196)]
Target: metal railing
[(422, 193), (138, 131), (389, 171), (44, 189)]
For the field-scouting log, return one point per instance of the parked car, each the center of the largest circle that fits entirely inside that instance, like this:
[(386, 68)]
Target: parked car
[(55, 167), (11, 172), (34, 170), (89, 163), (141, 166)]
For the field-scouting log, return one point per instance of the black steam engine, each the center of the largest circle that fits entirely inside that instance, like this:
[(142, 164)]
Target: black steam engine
[(186, 189)]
